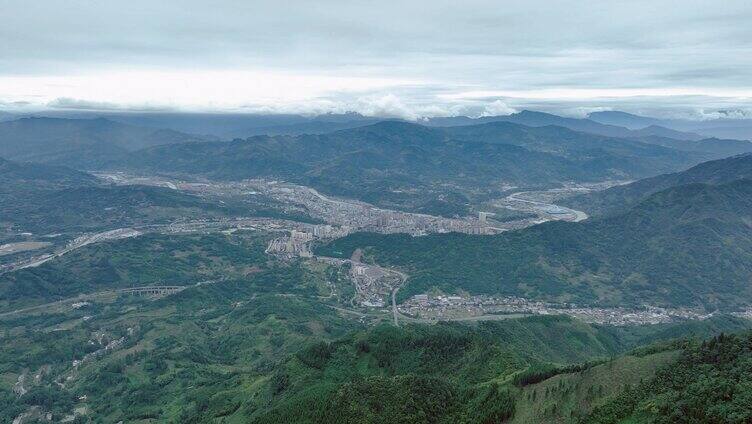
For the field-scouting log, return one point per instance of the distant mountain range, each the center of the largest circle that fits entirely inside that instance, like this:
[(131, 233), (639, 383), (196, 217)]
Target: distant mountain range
[(228, 125), (540, 119), (383, 163), (219, 125), (729, 127), (386, 162), (79, 142)]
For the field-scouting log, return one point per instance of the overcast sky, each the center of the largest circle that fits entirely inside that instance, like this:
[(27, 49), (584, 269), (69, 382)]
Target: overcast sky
[(403, 58)]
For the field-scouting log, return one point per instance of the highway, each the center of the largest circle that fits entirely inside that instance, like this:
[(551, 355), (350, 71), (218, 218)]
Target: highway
[(394, 306), (539, 206), (78, 243)]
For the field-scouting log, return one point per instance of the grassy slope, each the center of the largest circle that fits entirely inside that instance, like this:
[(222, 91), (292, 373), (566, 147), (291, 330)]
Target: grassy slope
[(567, 397), (709, 383)]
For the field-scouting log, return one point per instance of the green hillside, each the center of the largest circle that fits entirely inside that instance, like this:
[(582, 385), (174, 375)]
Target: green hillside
[(26, 176), (92, 208), (151, 259), (709, 383), (444, 373), (617, 199), (79, 143), (689, 245), (42, 198), (264, 349), (570, 396), (204, 349)]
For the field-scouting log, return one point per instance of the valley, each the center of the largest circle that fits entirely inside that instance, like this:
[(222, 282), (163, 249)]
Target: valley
[(260, 288), (394, 212), (350, 215)]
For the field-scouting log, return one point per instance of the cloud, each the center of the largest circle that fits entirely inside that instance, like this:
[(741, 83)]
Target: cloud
[(705, 115), (497, 108), (78, 104), (406, 59), (387, 105)]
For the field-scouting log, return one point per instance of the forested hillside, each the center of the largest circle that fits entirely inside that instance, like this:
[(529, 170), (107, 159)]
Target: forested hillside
[(710, 383), (617, 199), (688, 245), (42, 198), (80, 143), (450, 373), (405, 166), (147, 260)]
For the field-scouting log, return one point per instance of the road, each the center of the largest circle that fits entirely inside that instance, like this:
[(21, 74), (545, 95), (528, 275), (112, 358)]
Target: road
[(578, 215), (498, 317), (395, 311), (79, 298), (394, 306), (104, 293), (75, 244)]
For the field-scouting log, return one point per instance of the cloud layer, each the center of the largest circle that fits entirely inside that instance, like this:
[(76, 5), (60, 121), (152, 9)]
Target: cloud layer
[(398, 58)]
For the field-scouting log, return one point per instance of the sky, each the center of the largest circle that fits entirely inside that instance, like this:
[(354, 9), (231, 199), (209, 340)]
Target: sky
[(411, 59)]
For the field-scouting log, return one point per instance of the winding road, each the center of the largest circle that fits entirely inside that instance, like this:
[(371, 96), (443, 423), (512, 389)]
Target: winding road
[(578, 215)]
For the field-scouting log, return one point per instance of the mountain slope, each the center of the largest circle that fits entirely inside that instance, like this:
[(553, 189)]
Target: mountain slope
[(46, 198), (443, 373), (716, 148), (379, 163), (25, 177), (540, 119), (689, 245), (450, 373), (594, 152), (630, 128), (21, 183), (623, 119), (727, 124), (78, 142), (708, 383), (659, 131), (617, 199)]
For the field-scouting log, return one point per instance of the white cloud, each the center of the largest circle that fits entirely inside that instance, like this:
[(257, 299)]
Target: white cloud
[(705, 115), (187, 90), (387, 105), (331, 55), (78, 104), (498, 108)]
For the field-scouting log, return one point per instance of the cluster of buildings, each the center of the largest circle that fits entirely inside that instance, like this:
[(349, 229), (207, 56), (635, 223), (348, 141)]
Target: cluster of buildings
[(373, 284), (297, 244), (443, 307), (352, 215), (109, 347), (342, 215)]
